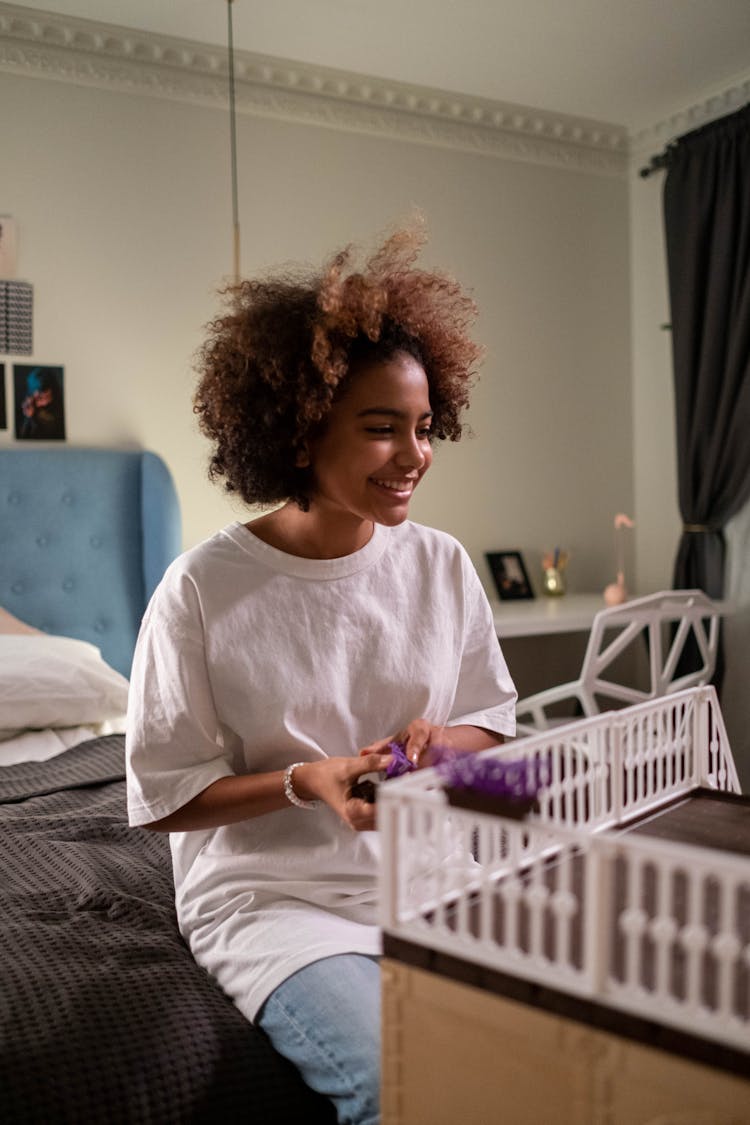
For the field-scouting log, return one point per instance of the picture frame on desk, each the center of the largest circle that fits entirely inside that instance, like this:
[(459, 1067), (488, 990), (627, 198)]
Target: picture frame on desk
[(509, 575)]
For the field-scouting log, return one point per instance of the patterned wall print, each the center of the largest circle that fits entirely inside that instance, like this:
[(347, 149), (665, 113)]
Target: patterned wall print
[(16, 317)]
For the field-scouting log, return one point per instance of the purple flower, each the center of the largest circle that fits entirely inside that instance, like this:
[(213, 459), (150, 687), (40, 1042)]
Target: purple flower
[(399, 763)]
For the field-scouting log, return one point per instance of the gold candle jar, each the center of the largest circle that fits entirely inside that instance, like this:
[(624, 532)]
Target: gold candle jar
[(553, 581)]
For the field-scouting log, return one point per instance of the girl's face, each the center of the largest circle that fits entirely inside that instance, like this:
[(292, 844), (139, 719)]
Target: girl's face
[(375, 448)]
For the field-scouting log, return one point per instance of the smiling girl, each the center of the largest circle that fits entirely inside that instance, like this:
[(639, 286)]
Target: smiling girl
[(278, 658)]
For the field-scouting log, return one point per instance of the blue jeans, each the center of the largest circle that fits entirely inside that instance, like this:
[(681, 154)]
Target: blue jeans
[(325, 1019)]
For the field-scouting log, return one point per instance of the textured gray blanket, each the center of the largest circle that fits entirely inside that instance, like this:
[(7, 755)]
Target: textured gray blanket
[(104, 1015)]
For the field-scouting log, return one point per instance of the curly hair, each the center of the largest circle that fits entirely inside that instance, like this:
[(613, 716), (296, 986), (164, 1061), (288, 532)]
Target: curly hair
[(272, 366)]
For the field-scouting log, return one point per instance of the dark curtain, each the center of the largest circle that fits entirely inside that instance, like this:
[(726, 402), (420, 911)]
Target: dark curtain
[(707, 223)]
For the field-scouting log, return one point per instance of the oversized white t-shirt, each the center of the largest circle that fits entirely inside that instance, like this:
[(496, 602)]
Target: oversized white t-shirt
[(250, 659)]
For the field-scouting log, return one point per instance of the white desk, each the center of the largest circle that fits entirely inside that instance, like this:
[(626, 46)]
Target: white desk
[(569, 613)]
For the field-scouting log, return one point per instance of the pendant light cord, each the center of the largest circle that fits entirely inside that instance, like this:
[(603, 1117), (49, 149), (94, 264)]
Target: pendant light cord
[(233, 146)]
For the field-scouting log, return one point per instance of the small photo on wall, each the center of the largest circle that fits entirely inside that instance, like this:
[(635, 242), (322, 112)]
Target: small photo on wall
[(3, 409), (39, 403)]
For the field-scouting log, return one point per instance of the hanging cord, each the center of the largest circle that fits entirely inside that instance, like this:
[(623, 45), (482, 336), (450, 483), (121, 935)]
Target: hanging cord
[(233, 146)]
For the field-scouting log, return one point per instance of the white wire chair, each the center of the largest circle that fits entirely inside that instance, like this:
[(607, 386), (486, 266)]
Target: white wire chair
[(665, 624)]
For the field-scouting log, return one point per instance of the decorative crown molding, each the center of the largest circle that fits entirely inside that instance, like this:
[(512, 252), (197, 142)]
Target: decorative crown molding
[(66, 49), (713, 105)]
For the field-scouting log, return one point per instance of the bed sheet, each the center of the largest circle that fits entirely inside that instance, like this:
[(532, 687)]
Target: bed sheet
[(41, 745), (105, 1015)]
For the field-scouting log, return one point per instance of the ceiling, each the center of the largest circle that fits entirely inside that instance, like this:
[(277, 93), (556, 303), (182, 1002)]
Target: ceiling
[(626, 62)]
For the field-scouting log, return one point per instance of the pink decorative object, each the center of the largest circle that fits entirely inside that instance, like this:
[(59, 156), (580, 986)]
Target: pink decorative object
[(616, 593)]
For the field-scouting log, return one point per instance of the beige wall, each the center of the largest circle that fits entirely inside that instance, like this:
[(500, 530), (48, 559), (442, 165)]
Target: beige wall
[(123, 208), (654, 452)]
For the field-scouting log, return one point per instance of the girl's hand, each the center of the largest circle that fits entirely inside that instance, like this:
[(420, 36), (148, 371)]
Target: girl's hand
[(420, 737), (416, 739), (330, 780)]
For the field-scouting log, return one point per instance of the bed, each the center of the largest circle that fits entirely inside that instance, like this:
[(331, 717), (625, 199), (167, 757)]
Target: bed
[(104, 1015)]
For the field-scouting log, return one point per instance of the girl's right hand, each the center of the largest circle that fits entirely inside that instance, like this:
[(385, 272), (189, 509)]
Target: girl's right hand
[(330, 780)]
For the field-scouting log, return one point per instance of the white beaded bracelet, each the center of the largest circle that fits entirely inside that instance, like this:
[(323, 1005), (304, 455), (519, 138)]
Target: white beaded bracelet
[(289, 793)]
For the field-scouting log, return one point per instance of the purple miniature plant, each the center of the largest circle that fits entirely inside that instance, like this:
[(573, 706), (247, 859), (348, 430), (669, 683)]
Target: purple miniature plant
[(518, 779)]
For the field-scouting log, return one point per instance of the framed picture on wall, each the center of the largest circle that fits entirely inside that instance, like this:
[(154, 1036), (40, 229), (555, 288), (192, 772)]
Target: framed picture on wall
[(39, 404), (509, 575)]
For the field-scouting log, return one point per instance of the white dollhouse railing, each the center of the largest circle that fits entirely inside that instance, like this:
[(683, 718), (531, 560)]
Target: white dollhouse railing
[(566, 897)]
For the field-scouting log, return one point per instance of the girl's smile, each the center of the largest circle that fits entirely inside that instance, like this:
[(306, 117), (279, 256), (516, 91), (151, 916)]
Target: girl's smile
[(364, 466), (375, 448)]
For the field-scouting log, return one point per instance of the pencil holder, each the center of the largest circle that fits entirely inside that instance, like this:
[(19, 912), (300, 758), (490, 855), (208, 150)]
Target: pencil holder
[(553, 581), (554, 565)]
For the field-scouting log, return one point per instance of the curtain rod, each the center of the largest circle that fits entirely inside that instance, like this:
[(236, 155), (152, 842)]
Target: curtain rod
[(662, 159), (655, 164)]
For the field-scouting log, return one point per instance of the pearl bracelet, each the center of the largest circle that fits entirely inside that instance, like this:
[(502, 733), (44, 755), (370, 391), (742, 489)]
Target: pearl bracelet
[(289, 793)]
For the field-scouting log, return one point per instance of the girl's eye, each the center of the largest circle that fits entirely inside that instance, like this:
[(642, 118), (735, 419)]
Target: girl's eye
[(423, 433)]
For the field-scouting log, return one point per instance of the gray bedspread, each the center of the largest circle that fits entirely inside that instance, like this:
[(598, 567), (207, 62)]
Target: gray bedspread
[(104, 1015)]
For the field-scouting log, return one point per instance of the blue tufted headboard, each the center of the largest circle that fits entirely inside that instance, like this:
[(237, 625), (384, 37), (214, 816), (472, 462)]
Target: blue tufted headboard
[(85, 536)]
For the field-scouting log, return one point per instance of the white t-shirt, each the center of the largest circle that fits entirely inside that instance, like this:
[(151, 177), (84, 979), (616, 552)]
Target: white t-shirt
[(250, 659)]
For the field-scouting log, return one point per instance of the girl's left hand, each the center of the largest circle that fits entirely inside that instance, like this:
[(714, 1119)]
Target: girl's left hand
[(415, 738)]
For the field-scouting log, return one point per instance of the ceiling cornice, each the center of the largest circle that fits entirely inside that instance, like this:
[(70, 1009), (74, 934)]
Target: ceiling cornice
[(713, 104), (42, 45)]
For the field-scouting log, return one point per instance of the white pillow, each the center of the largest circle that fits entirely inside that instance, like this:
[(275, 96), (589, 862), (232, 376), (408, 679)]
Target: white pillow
[(56, 682)]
